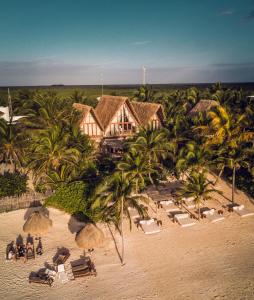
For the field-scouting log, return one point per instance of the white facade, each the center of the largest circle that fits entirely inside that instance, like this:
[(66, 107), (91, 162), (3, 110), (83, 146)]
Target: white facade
[(89, 126)]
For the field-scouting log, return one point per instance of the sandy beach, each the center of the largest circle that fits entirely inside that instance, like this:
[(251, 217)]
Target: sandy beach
[(205, 261)]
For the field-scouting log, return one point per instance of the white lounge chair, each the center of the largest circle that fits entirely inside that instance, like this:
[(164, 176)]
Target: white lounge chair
[(149, 226), (242, 211), (133, 213), (184, 220), (212, 215), (169, 206)]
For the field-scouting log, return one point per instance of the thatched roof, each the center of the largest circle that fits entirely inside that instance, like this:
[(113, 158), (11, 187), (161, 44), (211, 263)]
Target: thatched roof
[(146, 111), (89, 237), (85, 109), (108, 107), (37, 223), (203, 106)]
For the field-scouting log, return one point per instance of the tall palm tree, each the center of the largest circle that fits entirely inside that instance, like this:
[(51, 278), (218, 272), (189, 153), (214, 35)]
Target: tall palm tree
[(197, 187), (114, 197), (12, 144), (231, 136)]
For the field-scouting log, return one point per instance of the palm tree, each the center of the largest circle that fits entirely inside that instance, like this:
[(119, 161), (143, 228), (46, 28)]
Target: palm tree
[(145, 93), (154, 145), (193, 155), (197, 187), (135, 166), (114, 197), (12, 144), (49, 151), (232, 138)]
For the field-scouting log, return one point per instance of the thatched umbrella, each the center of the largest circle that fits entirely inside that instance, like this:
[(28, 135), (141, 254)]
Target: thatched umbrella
[(89, 237), (37, 224)]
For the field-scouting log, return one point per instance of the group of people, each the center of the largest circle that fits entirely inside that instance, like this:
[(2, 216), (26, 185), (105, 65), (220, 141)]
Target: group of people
[(22, 251)]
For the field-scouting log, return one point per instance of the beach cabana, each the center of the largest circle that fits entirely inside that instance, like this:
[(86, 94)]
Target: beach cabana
[(242, 211), (149, 226), (212, 215), (184, 220), (37, 224), (89, 237)]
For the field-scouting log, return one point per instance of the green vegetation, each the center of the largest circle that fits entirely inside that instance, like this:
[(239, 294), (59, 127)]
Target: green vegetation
[(48, 143), (12, 184), (69, 197)]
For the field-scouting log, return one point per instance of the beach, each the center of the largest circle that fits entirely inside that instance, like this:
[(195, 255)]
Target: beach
[(205, 261)]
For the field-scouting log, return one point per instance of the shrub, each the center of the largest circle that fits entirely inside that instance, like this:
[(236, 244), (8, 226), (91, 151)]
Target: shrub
[(69, 197), (12, 184)]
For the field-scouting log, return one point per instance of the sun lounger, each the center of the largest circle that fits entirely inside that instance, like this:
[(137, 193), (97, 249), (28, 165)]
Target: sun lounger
[(149, 226), (41, 278), (82, 268), (133, 213), (212, 215), (169, 206), (184, 220), (61, 256), (30, 252), (242, 211)]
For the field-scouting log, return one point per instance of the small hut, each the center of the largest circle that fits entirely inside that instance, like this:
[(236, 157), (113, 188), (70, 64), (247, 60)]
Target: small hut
[(203, 106), (37, 224), (89, 237)]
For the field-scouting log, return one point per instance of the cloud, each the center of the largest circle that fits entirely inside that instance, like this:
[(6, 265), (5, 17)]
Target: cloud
[(50, 71), (227, 12), (140, 43), (250, 16)]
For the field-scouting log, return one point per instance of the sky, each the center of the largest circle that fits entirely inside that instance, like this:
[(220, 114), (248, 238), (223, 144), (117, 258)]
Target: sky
[(90, 42)]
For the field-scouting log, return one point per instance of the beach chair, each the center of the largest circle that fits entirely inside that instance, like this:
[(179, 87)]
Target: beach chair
[(40, 277), (242, 211), (133, 213), (149, 226), (189, 202), (82, 268), (184, 220), (61, 257), (30, 251), (169, 205), (212, 215)]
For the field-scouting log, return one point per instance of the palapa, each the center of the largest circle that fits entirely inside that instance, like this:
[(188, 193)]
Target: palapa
[(89, 237), (37, 223)]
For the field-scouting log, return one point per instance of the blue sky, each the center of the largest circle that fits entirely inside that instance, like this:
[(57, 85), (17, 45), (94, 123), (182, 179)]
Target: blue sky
[(73, 42)]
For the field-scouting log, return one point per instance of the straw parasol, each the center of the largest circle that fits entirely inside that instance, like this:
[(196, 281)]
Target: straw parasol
[(37, 223), (89, 237)]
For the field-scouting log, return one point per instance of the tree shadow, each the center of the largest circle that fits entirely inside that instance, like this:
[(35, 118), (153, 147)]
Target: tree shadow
[(42, 209), (77, 222), (115, 244)]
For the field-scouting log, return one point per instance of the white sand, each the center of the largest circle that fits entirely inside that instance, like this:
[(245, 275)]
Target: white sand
[(206, 261)]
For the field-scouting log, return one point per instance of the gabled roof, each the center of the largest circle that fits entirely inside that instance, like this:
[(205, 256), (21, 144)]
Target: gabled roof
[(203, 106), (108, 107), (85, 109), (146, 111)]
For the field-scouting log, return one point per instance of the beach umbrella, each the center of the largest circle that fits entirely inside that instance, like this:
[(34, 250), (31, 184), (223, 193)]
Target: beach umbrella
[(89, 237), (37, 224)]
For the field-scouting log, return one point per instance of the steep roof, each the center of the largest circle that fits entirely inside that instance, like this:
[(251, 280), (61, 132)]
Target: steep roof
[(85, 109), (146, 110), (108, 107), (203, 106)]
